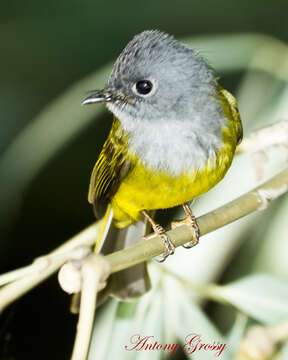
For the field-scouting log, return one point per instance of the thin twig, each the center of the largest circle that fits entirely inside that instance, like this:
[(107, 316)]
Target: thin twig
[(18, 273), (46, 266), (210, 291), (257, 199), (261, 342), (94, 271), (26, 278), (84, 238), (257, 143), (273, 135)]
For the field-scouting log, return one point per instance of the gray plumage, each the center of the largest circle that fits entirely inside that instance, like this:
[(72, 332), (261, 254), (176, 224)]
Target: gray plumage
[(183, 106), (176, 127)]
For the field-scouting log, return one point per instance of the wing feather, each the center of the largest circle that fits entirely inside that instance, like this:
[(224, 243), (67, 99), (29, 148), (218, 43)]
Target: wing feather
[(232, 103), (111, 167)]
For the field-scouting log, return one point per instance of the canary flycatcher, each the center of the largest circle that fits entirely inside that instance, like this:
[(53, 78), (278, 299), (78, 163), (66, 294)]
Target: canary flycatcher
[(173, 138)]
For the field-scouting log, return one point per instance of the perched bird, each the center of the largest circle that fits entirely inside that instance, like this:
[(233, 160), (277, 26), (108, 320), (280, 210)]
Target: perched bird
[(173, 138)]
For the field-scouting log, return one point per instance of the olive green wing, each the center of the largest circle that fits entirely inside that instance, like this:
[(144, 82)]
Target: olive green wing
[(233, 111), (111, 167)]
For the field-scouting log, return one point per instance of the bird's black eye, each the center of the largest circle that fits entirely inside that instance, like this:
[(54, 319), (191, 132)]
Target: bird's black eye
[(144, 87)]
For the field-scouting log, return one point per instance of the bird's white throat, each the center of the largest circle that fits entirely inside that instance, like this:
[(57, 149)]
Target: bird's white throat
[(174, 147)]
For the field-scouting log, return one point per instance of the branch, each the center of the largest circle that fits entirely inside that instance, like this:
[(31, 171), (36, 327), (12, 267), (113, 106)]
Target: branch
[(275, 135), (94, 271), (261, 342), (257, 199), (270, 136), (45, 266), (25, 279)]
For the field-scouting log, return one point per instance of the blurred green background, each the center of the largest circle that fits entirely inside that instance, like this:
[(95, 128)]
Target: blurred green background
[(46, 46)]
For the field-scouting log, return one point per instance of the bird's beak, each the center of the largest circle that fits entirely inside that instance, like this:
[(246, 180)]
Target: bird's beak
[(99, 96)]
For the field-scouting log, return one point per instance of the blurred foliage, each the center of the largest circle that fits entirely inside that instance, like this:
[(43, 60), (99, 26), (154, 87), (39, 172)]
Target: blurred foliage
[(49, 146)]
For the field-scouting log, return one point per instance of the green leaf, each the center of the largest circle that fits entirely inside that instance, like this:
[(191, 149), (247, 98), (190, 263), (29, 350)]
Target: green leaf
[(236, 334), (194, 326), (124, 321), (62, 119), (58, 123), (283, 353), (119, 324), (103, 326), (263, 297), (152, 326)]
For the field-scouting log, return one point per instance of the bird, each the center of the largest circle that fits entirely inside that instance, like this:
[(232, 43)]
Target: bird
[(173, 138)]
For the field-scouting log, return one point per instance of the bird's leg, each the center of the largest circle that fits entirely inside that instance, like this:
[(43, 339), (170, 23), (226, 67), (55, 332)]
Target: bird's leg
[(160, 231), (190, 221)]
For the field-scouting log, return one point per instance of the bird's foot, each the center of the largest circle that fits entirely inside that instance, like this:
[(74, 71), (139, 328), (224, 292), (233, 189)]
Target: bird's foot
[(160, 231), (190, 221)]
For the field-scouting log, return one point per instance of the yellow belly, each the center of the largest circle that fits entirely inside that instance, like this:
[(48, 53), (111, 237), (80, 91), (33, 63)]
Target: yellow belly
[(146, 189)]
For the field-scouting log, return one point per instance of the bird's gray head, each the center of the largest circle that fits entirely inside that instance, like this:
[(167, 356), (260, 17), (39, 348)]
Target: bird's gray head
[(157, 78)]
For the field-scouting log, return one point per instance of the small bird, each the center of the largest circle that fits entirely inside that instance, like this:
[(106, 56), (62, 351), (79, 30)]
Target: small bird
[(173, 137)]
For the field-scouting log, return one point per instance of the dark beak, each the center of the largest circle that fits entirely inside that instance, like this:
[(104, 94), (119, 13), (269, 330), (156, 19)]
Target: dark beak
[(99, 96)]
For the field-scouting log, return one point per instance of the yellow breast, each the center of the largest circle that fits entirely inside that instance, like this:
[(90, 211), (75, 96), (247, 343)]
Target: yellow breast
[(130, 186), (147, 189)]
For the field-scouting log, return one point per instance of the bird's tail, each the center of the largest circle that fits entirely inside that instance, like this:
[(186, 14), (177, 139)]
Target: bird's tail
[(129, 283)]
